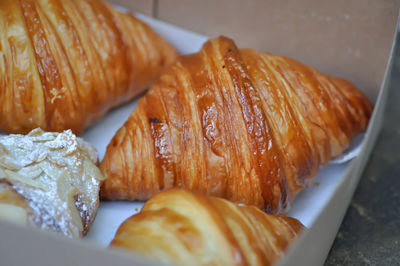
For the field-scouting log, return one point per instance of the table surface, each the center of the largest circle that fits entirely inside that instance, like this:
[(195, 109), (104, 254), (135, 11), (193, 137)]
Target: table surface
[(370, 232)]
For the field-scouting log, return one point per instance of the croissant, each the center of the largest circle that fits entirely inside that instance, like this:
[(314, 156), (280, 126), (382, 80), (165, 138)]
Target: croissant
[(65, 63), (179, 227), (49, 181), (246, 126)]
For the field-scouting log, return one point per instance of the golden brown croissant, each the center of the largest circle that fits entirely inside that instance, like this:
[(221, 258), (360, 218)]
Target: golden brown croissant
[(177, 226), (246, 126), (49, 181), (63, 64)]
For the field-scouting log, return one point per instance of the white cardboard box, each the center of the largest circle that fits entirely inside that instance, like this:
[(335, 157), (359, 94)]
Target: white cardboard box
[(320, 208)]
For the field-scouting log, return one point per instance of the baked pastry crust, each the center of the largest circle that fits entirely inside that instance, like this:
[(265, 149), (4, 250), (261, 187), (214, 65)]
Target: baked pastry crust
[(64, 64), (49, 181), (246, 126), (180, 227)]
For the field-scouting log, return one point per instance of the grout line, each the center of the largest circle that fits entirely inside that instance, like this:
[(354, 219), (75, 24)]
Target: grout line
[(155, 9)]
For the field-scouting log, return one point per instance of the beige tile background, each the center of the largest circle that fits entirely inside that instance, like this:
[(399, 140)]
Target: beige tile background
[(346, 38)]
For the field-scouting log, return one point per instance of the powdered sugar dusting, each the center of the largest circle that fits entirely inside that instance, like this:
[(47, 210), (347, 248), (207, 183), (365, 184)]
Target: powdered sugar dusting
[(57, 174)]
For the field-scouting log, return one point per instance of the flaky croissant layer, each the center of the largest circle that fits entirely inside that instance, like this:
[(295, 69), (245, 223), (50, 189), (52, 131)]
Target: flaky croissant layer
[(63, 64), (246, 126), (184, 228)]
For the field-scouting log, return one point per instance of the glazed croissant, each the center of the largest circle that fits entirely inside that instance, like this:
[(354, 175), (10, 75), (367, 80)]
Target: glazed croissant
[(184, 228), (65, 63), (49, 181), (246, 126)]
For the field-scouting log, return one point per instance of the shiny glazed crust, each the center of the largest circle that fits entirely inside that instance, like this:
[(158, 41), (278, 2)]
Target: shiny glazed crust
[(246, 126), (177, 226), (63, 64)]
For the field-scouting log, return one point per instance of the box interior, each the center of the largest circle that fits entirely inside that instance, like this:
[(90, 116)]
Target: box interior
[(359, 54), (350, 39)]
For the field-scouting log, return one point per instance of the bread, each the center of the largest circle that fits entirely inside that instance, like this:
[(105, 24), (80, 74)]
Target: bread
[(179, 227), (234, 123), (65, 63), (49, 181)]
